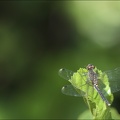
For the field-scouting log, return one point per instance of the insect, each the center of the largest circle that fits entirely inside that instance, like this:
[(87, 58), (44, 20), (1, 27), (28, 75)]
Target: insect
[(93, 77), (93, 80)]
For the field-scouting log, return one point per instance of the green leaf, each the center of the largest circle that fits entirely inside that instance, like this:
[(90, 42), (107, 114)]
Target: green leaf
[(97, 106)]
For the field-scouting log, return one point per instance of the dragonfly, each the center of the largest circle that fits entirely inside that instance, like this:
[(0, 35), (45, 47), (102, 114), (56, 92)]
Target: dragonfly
[(113, 78), (93, 77)]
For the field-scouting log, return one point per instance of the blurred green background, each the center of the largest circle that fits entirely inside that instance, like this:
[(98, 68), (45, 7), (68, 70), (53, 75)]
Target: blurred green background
[(39, 38)]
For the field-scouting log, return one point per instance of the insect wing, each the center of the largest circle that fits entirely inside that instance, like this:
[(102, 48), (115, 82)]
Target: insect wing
[(114, 79), (65, 73), (71, 91)]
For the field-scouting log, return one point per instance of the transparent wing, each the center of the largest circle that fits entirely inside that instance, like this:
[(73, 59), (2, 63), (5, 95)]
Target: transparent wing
[(65, 73), (70, 90), (114, 79)]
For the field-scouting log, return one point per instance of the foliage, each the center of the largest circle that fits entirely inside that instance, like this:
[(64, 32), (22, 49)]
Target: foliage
[(84, 87)]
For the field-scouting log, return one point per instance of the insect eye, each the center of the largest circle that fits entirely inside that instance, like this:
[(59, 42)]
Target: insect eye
[(90, 66)]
